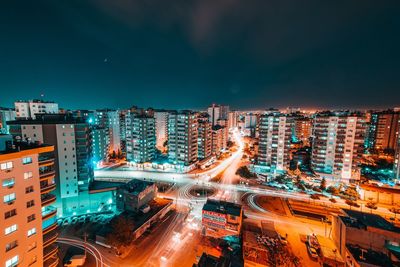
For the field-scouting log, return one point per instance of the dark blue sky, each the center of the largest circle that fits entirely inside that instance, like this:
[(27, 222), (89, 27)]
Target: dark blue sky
[(187, 54)]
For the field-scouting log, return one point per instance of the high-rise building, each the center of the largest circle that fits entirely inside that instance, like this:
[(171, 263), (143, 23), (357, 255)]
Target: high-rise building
[(232, 119), (204, 136), (109, 119), (140, 136), (100, 144), (370, 130), (161, 117), (183, 137), (338, 140), (386, 127), (302, 130), (219, 139), (217, 112), (6, 114), (29, 109), (274, 142), (28, 226), (250, 124), (72, 139)]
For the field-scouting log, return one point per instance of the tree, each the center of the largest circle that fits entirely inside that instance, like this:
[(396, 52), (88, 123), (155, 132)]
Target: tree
[(351, 192), (371, 205), (323, 184), (245, 172), (121, 233)]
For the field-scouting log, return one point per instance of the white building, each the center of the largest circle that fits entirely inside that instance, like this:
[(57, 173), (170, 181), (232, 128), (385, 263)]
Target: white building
[(29, 109), (338, 140), (161, 120), (274, 145), (110, 119), (183, 137), (217, 112)]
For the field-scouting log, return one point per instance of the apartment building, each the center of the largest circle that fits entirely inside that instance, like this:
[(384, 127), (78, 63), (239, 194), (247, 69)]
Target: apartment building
[(140, 136), (100, 144), (204, 140), (110, 120), (29, 109), (72, 139), (219, 139), (302, 130), (6, 114), (383, 130), (183, 137), (29, 223), (232, 119), (217, 112), (338, 140), (161, 125), (275, 131)]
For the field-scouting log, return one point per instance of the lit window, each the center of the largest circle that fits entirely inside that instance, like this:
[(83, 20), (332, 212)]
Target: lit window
[(32, 231), (10, 229), (6, 165), (9, 182), (28, 175), (12, 262), (8, 198), (26, 160)]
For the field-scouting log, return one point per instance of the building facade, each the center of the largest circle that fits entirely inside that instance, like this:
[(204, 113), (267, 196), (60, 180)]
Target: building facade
[(183, 137), (338, 140), (221, 219), (204, 137), (302, 130), (29, 222), (110, 120), (161, 125), (6, 114), (29, 109), (219, 139), (274, 142), (72, 139), (140, 136)]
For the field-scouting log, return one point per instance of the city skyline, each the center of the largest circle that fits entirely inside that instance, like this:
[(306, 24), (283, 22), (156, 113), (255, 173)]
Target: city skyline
[(322, 55)]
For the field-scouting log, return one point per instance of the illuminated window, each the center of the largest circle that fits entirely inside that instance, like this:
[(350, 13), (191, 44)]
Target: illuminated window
[(28, 175), (10, 229), (32, 231), (26, 160), (12, 262), (8, 198), (9, 182), (6, 165)]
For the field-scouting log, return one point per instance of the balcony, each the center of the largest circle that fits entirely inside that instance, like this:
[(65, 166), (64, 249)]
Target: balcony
[(49, 238), (51, 262), (49, 252), (46, 162), (48, 199), (44, 189), (49, 225), (48, 212), (46, 175)]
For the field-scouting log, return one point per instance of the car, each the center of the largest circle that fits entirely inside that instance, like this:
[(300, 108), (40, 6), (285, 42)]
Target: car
[(59, 221), (74, 220), (82, 219)]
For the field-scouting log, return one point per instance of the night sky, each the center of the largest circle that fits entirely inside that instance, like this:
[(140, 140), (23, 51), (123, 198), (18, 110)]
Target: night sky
[(188, 54)]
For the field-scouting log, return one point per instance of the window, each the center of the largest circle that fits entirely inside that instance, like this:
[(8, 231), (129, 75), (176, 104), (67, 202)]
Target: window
[(30, 203), (10, 229), (9, 182), (11, 245), (6, 165), (32, 246), (10, 213), (12, 262), (28, 175), (26, 160), (31, 217), (29, 189), (32, 231), (9, 198)]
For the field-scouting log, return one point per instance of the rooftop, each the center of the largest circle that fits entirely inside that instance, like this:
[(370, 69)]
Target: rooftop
[(222, 207), (363, 220), (135, 186), (8, 145), (48, 119)]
